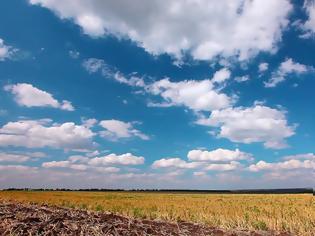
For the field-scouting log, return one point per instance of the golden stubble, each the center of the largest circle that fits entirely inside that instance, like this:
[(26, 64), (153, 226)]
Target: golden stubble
[(281, 212)]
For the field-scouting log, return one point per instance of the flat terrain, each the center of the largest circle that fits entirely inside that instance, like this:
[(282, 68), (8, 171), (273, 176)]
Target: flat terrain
[(269, 213), (26, 219)]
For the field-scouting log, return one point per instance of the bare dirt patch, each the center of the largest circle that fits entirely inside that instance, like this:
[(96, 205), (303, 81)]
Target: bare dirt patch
[(26, 219)]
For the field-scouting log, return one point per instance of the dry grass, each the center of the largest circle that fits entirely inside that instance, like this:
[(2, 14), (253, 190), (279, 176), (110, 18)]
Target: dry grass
[(34, 219), (294, 213)]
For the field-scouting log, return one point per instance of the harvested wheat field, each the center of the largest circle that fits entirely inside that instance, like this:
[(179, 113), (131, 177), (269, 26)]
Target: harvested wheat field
[(214, 214), (23, 219)]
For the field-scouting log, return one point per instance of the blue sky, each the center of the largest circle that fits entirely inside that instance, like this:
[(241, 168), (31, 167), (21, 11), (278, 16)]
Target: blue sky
[(195, 94)]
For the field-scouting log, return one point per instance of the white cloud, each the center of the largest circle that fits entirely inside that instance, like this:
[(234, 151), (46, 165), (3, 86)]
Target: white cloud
[(292, 166), (206, 161), (19, 168), (107, 169), (79, 167), (66, 105), (19, 157), (178, 163), (241, 79), (133, 81), (98, 164), (309, 25), (289, 66), (114, 159), (218, 155), (196, 95), (93, 65), (174, 163), (305, 156), (89, 123), (263, 67), (53, 164), (221, 75), (233, 165), (40, 133), (30, 96), (286, 68), (204, 29), (78, 159), (286, 165), (116, 129), (6, 51), (249, 125), (11, 157), (94, 153)]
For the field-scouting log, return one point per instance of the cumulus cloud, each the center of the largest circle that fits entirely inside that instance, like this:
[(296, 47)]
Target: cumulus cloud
[(106, 169), (116, 129), (56, 164), (96, 178), (249, 125), (174, 163), (221, 75), (41, 133), (286, 165), (263, 67), (66, 105), (241, 79), (233, 165), (30, 96), (6, 51), (196, 95), (17, 168), (114, 159), (20, 157), (286, 68), (206, 161), (218, 155), (94, 153), (177, 163), (304, 156), (309, 25), (294, 165), (78, 167), (11, 157), (198, 28), (133, 81), (78, 159), (100, 164), (89, 123)]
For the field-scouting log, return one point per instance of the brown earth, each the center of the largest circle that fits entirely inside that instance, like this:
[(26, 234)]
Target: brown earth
[(24, 219)]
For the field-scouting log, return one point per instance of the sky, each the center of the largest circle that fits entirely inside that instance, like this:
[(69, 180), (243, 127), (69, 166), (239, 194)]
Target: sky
[(192, 94)]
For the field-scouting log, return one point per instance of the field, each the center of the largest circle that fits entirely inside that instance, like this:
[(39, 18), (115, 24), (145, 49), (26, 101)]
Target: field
[(280, 212)]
